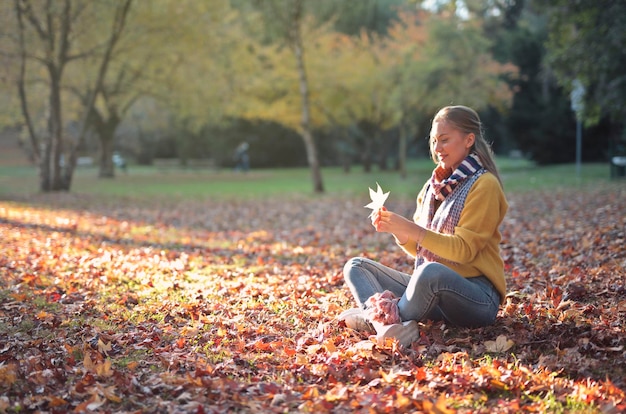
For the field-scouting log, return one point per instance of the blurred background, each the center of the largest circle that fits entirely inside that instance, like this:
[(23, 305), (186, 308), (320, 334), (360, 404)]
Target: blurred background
[(253, 84)]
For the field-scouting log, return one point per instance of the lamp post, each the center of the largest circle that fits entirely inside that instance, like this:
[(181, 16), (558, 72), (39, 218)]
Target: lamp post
[(578, 106)]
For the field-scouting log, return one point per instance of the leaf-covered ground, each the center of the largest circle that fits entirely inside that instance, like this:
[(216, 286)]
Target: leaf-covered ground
[(215, 306)]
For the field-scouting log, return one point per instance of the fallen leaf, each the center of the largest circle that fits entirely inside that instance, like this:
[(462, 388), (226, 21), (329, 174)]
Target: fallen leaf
[(104, 347), (438, 407), (501, 344), (260, 336)]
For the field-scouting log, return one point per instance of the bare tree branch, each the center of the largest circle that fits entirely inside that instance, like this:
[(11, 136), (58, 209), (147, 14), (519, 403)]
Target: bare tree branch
[(26, 10), (119, 22)]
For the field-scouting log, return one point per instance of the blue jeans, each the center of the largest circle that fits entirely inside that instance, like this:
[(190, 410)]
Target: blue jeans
[(434, 292)]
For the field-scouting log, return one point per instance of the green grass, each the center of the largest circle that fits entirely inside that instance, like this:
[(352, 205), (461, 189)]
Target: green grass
[(149, 182)]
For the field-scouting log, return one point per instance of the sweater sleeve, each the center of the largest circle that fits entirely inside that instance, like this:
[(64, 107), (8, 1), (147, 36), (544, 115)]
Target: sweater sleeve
[(484, 209)]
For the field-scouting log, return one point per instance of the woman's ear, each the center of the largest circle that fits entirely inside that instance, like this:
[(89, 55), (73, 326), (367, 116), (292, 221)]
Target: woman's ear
[(471, 138)]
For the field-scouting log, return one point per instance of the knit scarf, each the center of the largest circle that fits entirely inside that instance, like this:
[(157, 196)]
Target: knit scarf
[(443, 184), (445, 217)]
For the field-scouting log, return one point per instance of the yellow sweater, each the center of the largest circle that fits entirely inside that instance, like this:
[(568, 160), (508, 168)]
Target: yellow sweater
[(475, 245)]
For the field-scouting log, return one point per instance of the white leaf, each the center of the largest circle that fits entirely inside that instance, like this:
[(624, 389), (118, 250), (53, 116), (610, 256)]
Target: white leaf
[(378, 199)]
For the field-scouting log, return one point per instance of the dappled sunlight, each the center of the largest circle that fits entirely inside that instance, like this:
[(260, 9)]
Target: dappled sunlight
[(166, 301)]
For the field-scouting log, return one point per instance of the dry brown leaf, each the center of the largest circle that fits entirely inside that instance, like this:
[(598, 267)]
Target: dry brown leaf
[(501, 344)]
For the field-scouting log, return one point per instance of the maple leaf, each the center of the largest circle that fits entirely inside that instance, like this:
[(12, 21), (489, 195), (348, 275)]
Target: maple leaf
[(378, 199), (501, 344)]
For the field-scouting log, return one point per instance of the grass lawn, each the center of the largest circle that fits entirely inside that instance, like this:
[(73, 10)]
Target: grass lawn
[(148, 182)]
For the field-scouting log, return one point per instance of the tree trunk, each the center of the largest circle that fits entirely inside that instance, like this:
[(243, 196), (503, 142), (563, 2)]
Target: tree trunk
[(307, 135), (106, 133), (68, 168), (316, 175), (55, 37), (107, 168), (44, 165), (55, 135)]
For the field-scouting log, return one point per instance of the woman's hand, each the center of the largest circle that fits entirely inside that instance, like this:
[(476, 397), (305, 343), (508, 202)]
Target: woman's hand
[(386, 221)]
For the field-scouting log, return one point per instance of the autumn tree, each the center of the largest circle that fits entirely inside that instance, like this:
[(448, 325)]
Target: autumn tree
[(351, 84), (120, 87), (284, 24), (50, 36), (174, 53), (338, 69), (424, 62), (209, 65)]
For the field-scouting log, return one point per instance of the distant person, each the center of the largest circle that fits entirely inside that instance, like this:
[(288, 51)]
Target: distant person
[(454, 236), (242, 159), (119, 162)]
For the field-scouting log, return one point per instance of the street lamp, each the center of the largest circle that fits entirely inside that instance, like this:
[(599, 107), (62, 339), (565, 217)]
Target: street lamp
[(578, 106)]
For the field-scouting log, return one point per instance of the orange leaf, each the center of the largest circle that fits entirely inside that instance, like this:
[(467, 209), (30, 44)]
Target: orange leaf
[(56, 401), (439, 407), (43, 315), (8, 374), (330, 346)]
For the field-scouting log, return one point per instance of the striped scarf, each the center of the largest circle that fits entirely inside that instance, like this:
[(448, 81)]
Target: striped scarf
[(445, 218), (443, 184)]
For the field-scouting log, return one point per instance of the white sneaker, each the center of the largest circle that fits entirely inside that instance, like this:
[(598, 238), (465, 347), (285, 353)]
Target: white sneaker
[(355, 319), (406, 332)]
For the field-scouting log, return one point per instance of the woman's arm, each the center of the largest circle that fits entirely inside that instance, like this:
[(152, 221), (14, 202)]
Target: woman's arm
[(482, 213)]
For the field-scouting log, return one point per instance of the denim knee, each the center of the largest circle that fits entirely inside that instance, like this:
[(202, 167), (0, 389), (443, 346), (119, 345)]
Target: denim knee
[(347, 268), (430, 273)]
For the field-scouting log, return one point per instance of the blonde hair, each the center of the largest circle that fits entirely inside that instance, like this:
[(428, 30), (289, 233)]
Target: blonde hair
[(465, 119)]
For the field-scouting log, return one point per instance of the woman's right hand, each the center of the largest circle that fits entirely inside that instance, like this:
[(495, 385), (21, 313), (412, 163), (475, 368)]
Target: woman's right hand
[(375, 217)]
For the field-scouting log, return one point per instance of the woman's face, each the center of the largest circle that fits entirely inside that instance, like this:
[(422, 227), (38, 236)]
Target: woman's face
[(449, 144)]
